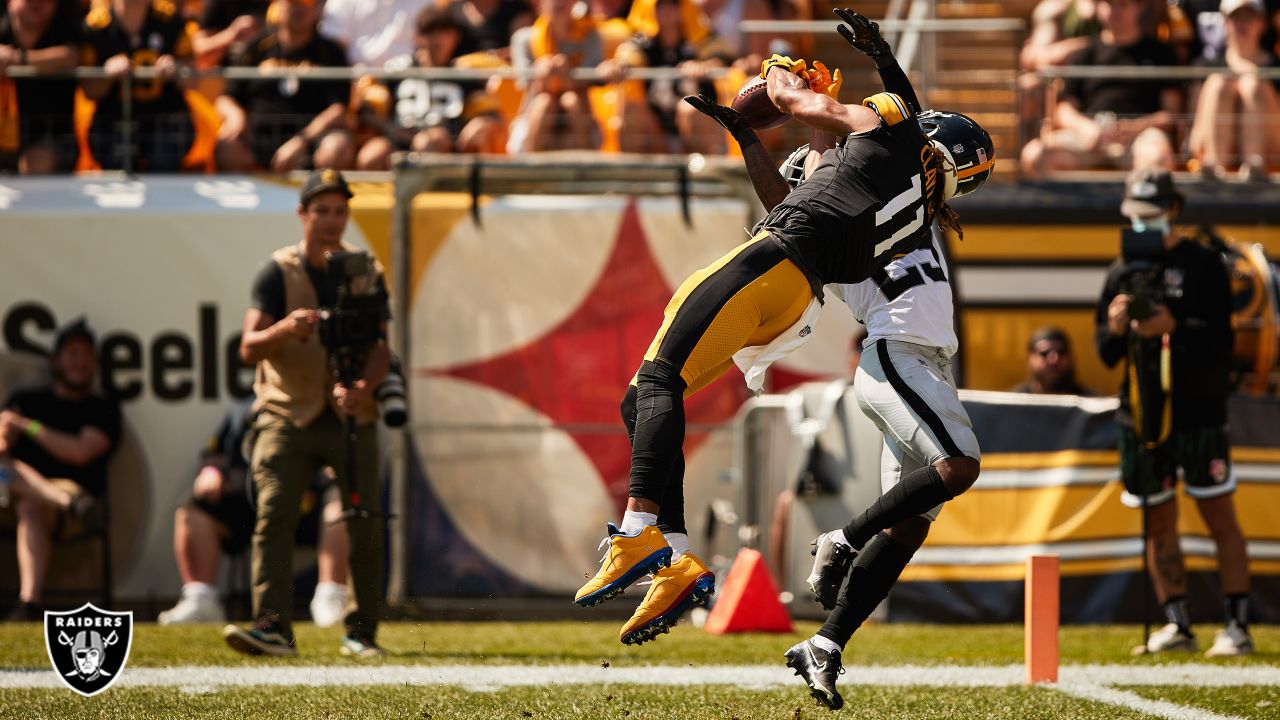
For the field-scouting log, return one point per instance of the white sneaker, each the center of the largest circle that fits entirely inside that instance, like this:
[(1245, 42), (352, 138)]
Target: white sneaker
[(194, 607), (328, 606), (1170, 639), (1230, 642)]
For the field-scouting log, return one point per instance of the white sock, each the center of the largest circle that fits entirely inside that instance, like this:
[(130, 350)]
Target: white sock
[(197, 589), (679, 543), (329, 589), (633, 522), (840, 538), (826, 643)]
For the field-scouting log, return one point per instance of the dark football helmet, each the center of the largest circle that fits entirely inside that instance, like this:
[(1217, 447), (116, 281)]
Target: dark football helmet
[(965, 144)]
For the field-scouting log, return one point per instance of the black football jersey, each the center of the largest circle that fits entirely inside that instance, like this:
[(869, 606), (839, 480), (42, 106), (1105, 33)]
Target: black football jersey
[(871, 199), (164, 32)]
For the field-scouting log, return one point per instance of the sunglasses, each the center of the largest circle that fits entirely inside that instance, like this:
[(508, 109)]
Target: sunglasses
[(1045, 352)]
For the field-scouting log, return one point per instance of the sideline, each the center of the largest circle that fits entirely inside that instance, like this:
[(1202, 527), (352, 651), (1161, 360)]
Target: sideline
[(1074, 679)]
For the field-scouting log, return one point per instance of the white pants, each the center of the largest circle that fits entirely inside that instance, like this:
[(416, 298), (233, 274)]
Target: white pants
[(909, 393)]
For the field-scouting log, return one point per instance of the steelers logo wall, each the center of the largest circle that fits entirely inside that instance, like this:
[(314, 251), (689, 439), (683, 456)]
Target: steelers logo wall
[(526, 331)]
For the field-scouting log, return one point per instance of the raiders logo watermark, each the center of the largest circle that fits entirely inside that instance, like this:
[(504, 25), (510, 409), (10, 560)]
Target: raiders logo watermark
[(88, 646)]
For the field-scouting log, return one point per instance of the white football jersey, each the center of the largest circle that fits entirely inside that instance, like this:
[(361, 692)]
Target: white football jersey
[(910, 300)]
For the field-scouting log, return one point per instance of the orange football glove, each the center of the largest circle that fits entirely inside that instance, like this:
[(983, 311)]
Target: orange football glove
[(822, 80)]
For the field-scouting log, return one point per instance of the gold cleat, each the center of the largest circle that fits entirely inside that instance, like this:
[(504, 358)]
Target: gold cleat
[(627, 560), (675, 590)]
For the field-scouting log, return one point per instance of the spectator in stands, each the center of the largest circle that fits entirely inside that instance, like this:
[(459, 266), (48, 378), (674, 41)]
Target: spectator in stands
[(1059, 30), (1236, 113), (489, 25), (1207, 41), (1175, 348), (55, 442), (662, 123), (372, 31), (1096, 119), (120, 36), (287, 124), (1051, 369), (430, 115), (226, 27), (556, 114), (220, 516), (36, 133)]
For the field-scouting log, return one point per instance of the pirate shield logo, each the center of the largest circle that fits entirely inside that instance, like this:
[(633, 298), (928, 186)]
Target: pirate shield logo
[(88, 646)]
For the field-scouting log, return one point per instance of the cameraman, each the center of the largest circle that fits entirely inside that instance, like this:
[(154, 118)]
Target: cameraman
[(1166, 313), (302, 416)]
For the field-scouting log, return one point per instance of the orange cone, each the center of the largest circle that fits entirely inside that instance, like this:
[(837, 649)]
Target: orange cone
[(748, 602)]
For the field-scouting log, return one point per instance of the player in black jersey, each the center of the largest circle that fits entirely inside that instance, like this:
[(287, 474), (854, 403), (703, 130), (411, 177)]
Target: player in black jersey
[(870, 199)]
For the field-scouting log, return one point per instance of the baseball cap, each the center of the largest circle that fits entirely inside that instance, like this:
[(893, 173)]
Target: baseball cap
[(1229, 6), (1148, 191), (78, 330), (322, 181)]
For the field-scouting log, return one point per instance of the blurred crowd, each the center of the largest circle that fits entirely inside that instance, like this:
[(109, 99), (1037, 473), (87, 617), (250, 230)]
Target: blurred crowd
[(1224, 125), (191, 122)]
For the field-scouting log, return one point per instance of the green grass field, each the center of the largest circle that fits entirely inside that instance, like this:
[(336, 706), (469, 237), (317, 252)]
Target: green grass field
[(499, 649)]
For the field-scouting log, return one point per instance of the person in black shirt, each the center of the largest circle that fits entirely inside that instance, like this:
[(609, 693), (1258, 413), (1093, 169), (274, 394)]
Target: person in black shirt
[(123, 35), (1173, 406), (1096, 119), (286, 124), (36, 134), (56, 442)]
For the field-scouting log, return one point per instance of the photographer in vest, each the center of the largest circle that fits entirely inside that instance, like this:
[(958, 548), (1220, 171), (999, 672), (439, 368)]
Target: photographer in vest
[(302, 420)]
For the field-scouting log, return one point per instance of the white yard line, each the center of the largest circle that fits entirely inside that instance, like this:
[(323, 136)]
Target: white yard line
[(492, 677), (1159, 708)]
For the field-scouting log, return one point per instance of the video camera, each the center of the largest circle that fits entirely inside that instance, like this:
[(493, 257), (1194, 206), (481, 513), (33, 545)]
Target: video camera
[(354, 323), (1143, 276)]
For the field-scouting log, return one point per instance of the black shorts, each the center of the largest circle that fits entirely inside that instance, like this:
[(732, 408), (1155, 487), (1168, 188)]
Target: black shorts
[(1202, 454)]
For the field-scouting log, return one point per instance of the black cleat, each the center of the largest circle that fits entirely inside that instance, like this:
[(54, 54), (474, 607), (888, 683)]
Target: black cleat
[(831, 563), (819, 669)]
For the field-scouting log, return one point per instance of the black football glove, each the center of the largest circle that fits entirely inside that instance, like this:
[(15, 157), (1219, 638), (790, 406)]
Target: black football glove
[(863, 35), (729, 119)]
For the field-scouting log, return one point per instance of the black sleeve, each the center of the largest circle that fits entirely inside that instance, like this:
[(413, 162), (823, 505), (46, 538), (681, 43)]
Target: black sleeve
[(896, 82), (1206, 323), (386, 297), (268, 291), (1111, 348), (215, 446)]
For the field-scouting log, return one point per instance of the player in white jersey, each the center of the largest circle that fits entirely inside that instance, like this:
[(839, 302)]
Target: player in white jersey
[(905, 385), (904, 382)]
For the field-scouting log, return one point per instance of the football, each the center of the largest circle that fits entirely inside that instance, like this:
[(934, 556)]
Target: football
[(754, 104)]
